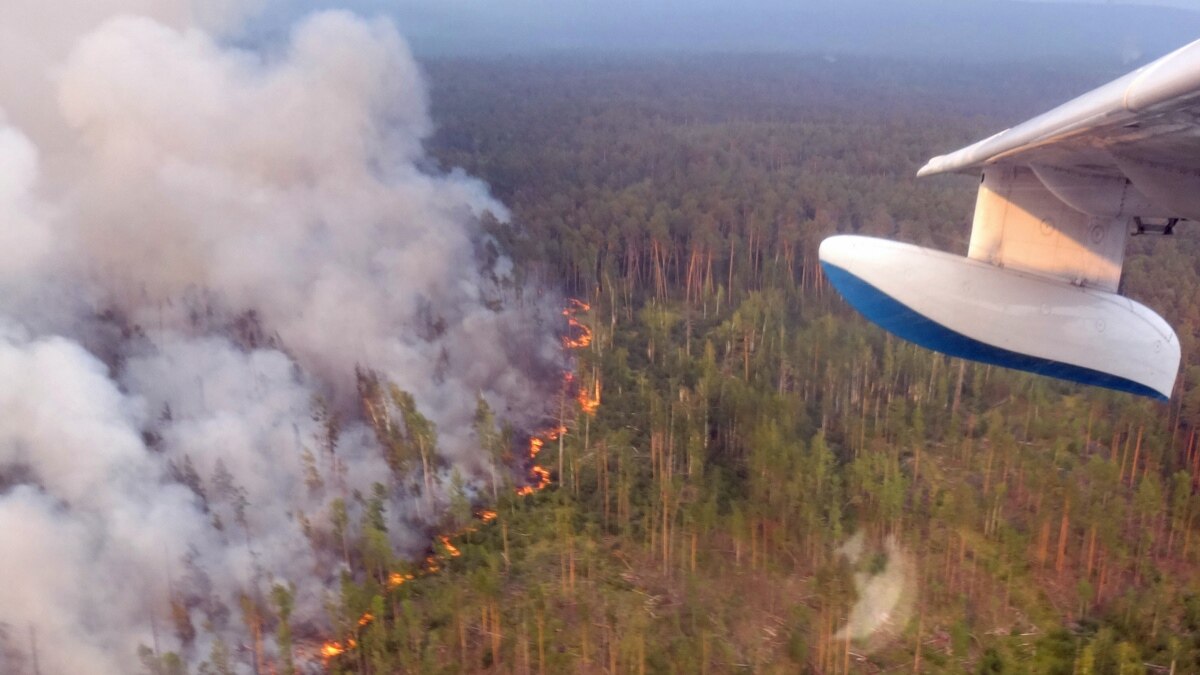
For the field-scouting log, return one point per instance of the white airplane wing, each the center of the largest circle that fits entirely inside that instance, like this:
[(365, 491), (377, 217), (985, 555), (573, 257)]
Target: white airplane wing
[(1058, 197), (1142, 129)]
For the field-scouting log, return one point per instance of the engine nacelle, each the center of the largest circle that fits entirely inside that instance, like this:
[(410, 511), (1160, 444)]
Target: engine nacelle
[(975, 310)]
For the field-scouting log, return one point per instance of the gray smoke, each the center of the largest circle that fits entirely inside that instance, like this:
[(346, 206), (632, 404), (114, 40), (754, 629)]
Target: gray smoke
[(199, 245)]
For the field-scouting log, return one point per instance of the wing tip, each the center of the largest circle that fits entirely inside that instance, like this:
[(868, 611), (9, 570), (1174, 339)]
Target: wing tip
[(931, 167)]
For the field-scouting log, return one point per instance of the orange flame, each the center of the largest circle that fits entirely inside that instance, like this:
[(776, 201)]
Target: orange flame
[(553, 434), (582, 334), (396, 579), (331, 649), (450, 548), (540, 475), (590, 401), (487, 516)]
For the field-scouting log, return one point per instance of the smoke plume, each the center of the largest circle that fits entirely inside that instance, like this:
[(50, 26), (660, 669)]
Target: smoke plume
[(200, 246)]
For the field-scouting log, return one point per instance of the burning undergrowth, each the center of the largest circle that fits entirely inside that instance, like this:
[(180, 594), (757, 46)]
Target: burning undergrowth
[(402, 432), (242, 328)]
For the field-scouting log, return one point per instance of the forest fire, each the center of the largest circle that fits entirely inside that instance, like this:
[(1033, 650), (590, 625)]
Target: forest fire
[(582, 334), (333, 648), (589, 402), (450, 548), (540, 477), (396, 580)]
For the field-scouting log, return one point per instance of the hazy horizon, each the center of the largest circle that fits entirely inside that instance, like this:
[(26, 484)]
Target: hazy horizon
[(983, 30)]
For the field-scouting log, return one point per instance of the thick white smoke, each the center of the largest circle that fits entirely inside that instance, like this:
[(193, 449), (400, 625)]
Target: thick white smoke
[(199, 244)]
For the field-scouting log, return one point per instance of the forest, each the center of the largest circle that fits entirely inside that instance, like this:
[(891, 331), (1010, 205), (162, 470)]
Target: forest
[(741, 457)]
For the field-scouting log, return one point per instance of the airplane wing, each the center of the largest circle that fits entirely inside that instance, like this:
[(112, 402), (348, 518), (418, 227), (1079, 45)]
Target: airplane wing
[(1143, 128), (1059, 196)]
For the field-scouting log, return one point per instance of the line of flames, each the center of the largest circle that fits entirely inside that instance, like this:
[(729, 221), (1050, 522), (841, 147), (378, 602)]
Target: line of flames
[(579, 335), (395, 580), (589, 401)]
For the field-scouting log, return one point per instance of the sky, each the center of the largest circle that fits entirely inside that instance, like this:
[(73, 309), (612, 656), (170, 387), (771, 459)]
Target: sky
[(1193, 5), (976, 30)]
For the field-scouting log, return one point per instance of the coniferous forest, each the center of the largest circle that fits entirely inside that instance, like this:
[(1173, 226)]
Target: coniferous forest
[(753, 478)]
